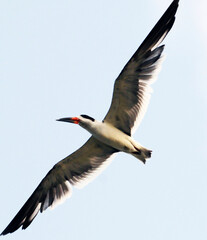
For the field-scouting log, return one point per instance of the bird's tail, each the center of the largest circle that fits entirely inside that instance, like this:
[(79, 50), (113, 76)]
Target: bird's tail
[(142, 153)]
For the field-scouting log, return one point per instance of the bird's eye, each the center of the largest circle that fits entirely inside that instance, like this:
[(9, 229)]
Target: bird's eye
[(88, 117)]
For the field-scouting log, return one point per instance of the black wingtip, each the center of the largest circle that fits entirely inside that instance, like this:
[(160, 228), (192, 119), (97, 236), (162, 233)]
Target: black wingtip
[(5, 232), (161, 29), (9, 229)]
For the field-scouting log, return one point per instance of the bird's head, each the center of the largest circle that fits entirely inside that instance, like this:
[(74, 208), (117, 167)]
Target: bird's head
[(83, 120)]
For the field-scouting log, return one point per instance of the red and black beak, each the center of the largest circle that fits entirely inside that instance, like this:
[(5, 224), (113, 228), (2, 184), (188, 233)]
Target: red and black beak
[(75, 120)]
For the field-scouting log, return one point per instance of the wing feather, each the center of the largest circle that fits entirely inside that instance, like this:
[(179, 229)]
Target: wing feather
[(132, 87), (56, 186)]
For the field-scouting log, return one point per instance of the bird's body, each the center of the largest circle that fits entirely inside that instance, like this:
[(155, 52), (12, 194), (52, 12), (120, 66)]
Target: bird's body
[(117, 139), (114, 134)]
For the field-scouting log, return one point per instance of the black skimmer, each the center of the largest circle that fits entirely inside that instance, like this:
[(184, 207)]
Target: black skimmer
[(130, 99)]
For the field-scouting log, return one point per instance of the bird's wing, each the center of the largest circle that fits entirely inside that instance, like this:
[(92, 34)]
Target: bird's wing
[(132, 87), (74, 169)]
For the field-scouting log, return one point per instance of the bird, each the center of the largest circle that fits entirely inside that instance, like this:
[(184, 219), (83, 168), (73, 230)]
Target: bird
[(130, 99)]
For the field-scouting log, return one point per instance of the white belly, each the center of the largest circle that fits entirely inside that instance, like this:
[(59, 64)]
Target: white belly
[(113, 137)]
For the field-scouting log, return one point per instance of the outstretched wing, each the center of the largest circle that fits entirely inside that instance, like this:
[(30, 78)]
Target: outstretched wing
[(78, 168), (132, 87)]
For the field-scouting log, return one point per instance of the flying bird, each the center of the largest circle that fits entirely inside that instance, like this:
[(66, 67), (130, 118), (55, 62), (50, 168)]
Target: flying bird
[(130, 99)]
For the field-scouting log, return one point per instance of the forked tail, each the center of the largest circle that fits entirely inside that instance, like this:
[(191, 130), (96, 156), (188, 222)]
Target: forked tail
[(142, 153)]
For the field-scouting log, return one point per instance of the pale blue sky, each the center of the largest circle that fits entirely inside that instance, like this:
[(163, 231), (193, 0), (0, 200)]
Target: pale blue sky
[(59, 59)]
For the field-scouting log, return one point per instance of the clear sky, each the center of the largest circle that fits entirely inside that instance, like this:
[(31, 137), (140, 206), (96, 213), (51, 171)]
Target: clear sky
[(60, 59)]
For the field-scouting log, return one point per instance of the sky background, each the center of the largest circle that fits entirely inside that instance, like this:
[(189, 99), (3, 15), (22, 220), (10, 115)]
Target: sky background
[(60, 59)]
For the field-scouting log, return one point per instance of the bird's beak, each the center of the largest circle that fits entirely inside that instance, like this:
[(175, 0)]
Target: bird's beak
[(75, 120)]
